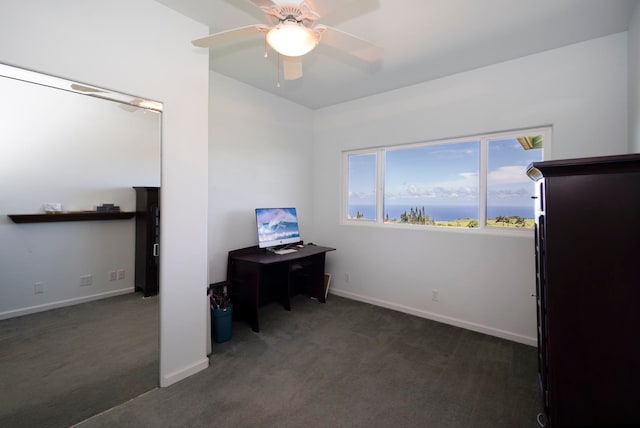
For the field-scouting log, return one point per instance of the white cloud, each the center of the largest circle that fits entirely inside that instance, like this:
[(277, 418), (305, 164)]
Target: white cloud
[(509, 194), (354, 197), (464, 186), (508, 175), (423, 193)]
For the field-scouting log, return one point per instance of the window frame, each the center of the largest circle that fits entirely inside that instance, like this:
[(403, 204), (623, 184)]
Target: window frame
[(344, 215), (484, 139)]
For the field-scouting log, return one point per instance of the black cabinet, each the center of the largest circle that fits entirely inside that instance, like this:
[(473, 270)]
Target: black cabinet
[(147, 240), (587, 244)]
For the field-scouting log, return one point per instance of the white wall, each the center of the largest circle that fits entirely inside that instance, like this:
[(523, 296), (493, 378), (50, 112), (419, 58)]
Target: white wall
[(634, 81), (142, 48), (259, 156), (81, 151), (485, 281)]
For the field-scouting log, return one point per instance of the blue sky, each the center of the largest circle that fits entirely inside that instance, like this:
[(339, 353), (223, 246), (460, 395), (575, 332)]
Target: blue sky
[(445, 174), (507, 181), (439, 174), (362, 179)]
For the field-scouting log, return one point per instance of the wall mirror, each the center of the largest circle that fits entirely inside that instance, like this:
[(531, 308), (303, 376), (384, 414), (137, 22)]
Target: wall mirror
[(75, 336)]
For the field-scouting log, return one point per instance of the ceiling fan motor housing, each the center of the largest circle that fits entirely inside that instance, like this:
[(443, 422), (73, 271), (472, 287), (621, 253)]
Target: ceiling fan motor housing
[(301, 13)]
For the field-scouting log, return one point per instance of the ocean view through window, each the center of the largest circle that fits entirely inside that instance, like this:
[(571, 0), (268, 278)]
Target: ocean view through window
[(475, 182), (362, 186)]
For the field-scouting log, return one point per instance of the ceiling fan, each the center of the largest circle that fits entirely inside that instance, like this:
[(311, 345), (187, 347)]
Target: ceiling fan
[(293, 33)]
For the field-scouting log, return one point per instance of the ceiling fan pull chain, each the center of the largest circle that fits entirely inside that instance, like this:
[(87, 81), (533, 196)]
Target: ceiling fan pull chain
[(266, 55), (278, 70)]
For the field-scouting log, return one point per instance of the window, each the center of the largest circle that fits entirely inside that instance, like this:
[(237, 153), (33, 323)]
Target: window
[(509, 190), (361, 203), (476, 182), (442, 177)]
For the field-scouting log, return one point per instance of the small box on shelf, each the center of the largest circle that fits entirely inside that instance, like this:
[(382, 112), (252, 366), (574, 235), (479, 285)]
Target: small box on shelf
[(108, 208)]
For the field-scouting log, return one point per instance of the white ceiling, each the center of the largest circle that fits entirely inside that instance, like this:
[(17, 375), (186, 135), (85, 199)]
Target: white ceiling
[(422, 40)]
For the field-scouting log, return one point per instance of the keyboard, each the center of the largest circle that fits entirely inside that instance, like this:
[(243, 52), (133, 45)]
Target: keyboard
[(285, 251)]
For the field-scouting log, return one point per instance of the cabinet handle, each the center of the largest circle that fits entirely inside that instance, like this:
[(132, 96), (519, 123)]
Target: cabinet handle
[(542, 420), (534, 197), (155, 250)]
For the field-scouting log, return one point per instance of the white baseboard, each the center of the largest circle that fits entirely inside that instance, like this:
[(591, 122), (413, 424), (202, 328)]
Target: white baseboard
[(514, 337), (171, 378), (63, 303)]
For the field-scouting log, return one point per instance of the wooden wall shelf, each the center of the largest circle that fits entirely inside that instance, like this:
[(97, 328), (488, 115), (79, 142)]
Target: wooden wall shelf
[(70, 216)]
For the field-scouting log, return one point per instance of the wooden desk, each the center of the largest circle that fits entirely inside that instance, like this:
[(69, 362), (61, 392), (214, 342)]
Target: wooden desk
[(257, 277)]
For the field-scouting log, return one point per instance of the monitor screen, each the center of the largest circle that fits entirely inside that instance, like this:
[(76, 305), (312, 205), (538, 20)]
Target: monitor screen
[(277, 226)]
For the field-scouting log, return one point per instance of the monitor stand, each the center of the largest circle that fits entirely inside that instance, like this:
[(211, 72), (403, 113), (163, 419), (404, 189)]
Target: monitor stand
[(282, 249)]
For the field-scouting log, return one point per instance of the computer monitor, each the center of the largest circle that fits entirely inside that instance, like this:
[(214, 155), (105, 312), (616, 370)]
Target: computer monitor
[(277, 227)]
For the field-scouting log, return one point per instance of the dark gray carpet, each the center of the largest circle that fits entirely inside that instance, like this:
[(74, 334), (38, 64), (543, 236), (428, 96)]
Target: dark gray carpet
[(62, 366), (346, 364)]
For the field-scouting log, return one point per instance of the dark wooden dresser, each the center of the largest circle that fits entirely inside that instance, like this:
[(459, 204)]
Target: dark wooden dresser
[(147, 240), (588, 290)]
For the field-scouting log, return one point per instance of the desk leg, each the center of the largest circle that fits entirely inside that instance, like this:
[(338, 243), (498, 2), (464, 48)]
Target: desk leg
[(255, 324), (245, 279), (317, 278)]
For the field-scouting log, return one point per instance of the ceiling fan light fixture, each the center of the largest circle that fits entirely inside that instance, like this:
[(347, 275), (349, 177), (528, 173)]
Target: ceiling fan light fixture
[(291, 38)]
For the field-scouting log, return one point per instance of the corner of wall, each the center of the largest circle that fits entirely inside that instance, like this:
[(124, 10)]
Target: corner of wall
[(633, 58), (171, 378)]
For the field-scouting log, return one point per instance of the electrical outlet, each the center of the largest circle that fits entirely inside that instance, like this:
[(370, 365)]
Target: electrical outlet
[(38, 288), (347, 277), (86, 280), (113, 275), (434, 295), (120, 274)]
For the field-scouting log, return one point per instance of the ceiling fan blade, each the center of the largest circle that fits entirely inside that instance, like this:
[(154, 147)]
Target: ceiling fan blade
[(128, 107), (85, 89), (325, 7), (349, 43), (271, 9), (263, 3), (223, 37), (291, 67)]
